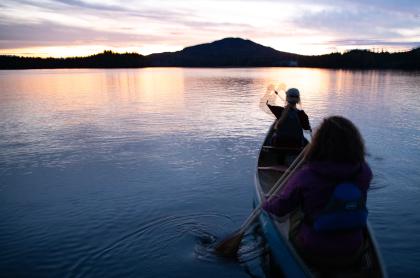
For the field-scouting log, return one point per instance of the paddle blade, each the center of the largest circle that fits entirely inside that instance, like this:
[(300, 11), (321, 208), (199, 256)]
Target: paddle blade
[(281, 87), (268, 98), (229, 246)]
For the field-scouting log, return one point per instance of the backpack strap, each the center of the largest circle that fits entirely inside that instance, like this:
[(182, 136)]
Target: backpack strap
[(346, 210)]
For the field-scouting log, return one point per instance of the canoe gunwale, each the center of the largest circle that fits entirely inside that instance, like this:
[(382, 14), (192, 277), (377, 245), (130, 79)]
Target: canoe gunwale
[(278, 244)]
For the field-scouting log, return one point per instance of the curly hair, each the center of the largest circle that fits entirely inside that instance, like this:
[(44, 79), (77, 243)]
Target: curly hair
[(338, 140)]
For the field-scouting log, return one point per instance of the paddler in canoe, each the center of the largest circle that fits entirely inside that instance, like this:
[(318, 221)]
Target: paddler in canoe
[(324, 200), (327, 196), (290, 122)]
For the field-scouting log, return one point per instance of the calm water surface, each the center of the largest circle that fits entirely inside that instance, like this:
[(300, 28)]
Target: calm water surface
[(133, 172)]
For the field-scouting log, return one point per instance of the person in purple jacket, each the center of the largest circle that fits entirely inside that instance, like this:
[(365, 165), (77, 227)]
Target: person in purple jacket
[(336, 154)]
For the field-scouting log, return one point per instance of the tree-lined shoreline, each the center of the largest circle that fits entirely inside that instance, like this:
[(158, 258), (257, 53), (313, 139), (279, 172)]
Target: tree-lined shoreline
[(228, 52)]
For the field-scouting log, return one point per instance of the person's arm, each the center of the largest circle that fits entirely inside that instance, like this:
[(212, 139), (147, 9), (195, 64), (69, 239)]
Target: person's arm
[(304, 120), (276, 110), (285, 201)]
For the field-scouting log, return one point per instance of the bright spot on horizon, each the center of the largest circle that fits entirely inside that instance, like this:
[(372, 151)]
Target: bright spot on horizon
[(63, 28)]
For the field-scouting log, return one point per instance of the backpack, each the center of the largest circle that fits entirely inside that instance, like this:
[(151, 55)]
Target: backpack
[(346, 210)]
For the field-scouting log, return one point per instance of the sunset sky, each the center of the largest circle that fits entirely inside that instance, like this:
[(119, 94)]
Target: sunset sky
[(81, 27)]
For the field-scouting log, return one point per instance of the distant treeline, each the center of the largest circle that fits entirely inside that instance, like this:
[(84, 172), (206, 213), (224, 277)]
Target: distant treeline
[(229, 52), (106, 59), (365, 59)]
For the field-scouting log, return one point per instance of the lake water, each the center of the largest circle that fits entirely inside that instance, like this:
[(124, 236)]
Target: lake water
[(132, 172)]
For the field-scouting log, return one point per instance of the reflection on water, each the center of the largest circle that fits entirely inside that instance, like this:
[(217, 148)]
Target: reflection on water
[(120, 172)]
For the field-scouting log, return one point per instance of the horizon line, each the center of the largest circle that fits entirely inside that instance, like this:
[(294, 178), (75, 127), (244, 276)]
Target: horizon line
[(371, 50)]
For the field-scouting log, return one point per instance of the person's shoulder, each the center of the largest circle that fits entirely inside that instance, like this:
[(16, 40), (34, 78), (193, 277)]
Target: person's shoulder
[(276, 110), (309, 171), (302, 112), (366, 171), (305, 175), (275, 106)]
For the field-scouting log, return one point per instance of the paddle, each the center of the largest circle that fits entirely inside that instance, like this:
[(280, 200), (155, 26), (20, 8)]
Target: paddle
[(229, 246)]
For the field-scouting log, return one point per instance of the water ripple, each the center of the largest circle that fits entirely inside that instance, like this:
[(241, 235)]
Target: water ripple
[(97, 167), (170, 228)]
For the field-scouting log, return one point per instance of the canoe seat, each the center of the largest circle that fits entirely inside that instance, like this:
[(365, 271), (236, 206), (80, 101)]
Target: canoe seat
[(272, 148), (279, 168)]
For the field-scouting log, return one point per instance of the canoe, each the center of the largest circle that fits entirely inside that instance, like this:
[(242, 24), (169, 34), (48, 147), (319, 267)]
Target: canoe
[(282, 253)]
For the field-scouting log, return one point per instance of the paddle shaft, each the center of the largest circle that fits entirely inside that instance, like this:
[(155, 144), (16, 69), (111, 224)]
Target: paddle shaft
[(273, 191), (286, 173)]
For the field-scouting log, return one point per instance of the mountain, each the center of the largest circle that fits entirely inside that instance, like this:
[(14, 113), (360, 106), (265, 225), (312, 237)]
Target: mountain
[(228, 52)]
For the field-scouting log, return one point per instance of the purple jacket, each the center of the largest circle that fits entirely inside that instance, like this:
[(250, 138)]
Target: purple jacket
[(310, 188)]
